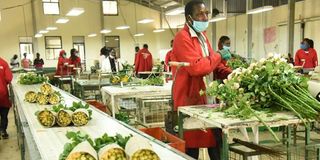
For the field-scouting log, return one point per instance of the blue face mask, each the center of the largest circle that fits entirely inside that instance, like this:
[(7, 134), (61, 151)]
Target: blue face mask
[(200, 26), (303, 46), (226, 47)]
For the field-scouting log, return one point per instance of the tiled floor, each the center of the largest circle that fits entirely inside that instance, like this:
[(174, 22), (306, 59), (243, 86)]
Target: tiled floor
[(9, 149)]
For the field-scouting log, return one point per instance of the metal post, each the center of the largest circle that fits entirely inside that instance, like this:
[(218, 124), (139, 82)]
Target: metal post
[(249, 31), (225, 146), (307, 139), (291, 8), (34, 27), (102, 24), (180, 124)]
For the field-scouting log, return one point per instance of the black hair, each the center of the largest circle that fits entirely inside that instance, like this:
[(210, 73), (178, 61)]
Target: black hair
[(145, 46), (73, 56), (222, 40), (310, 42), (137, 48), (104, 51), (188, 10)]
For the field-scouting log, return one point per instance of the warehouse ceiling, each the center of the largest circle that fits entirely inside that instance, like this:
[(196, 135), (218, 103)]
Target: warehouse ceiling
[(233, 6)]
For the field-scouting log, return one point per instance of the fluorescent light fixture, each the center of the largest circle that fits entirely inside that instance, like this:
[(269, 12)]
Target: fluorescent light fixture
[(260, 9), (145, 21), (43, 31), (171, 3), (92, 35), (110, 7), (158, 30), (38, 35), (175, 11), (217, 18), (51, 28), (105, 31), (138, 35), (51, 8), (122, 27), (75, 12), (62, 20)]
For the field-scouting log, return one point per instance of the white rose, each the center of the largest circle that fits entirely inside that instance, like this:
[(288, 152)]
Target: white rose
[(225, 81), (230, 76), (220, 85), (256, 76), (236, 85), (262, 60), (211, 84), (291, 65)]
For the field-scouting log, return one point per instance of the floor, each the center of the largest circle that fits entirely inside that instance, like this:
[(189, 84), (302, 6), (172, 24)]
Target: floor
[(9, 148)]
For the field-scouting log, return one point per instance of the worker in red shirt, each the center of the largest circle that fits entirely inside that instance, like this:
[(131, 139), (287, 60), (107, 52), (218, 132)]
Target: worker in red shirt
[(5, 104), (191, 45), (143, 60), (224, 50), (62, 66), (168, 58), (306, 56), (74, 60)]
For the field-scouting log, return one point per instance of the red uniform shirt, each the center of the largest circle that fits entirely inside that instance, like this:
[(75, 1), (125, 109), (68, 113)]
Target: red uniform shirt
[(222, 73), (307, 59), (143, 61), (189, 80), (62, 69), (5, 79), (168, 58)]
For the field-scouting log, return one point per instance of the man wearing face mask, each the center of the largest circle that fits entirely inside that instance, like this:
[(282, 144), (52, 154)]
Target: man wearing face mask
[(191, 45), (306, 56), (111, 63), (62, 66)]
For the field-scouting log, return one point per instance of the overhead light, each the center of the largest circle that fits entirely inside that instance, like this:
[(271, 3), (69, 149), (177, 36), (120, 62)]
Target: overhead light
[(62, 20), (75, 12), (158, 30), (51, 28), (105, 31), (217, 18), (92, 35), (138, 35), (145, 21), (122, 27), (117, 39), (260, 9), (175, 11), (43, 31), (171, 3), (38, 35), (107, 41)]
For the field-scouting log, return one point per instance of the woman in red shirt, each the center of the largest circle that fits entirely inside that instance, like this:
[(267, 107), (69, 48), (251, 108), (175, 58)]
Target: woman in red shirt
[(62, 68), (306, 56), (224, 50), (74, 60)]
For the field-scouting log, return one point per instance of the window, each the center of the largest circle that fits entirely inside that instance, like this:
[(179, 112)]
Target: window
[(110, 7), (51, 7), (26, 46), (53, 46), (113, 42)]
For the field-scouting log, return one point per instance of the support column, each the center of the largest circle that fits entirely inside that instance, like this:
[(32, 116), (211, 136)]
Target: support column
[(249, 36), (34, 27), (103, 43), (291, 8)]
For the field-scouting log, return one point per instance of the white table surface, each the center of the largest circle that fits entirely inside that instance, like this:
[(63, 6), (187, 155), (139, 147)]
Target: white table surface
[(50, 141)]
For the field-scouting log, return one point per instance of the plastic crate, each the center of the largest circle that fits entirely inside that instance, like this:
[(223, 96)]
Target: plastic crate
[(166, 137)]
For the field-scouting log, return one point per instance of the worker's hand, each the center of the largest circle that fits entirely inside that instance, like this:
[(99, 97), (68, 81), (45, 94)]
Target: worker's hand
[(225, 54)]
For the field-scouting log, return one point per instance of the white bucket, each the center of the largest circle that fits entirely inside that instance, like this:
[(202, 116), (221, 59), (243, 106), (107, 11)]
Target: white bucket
[(83, 147), (137, 144), (69, 115), (107, 148), (82, 110)]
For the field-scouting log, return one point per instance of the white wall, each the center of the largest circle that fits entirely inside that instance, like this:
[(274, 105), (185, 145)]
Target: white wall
[(12, 26), (277, 17)]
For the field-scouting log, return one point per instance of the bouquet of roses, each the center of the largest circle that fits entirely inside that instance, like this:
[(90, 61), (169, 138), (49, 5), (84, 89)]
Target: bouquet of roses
[(268, 85)]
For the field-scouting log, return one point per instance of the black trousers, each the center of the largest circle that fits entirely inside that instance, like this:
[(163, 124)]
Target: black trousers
[(4, 118), (214, 152)]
